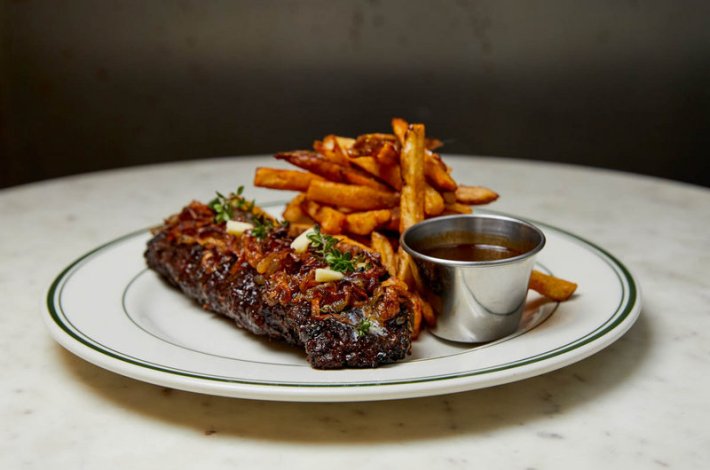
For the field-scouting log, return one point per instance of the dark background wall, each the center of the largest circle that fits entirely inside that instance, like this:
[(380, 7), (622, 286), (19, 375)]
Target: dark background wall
[(88, 85)]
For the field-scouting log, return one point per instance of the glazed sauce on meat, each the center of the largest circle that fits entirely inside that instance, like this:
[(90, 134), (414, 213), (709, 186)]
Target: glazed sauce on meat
[(471, 252)]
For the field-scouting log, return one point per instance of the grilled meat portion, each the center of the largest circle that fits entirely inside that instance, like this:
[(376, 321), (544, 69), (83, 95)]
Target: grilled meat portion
[(362, 320)]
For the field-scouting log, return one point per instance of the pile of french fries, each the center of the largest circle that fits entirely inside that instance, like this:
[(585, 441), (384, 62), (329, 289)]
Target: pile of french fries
[(375, 182), (370, 189)]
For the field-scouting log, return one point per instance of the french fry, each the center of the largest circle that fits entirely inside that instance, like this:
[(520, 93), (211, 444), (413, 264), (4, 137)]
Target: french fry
[(315, 163), (433, 202), (413, 196), (473, 195), (437, 173), (428, 314), (364, 223), (343, 145), (457, 208), (371, 144), (393, 224), (404, 274), (318, 164), (330, 220), (416, 315), (329, 147), (390, 174), (421, 313), (349, 241), (551, 287), (449, 197), (399, 127), (413, 190), (388, 155), (293, 212), (382, 245), (416, 277), (355, 197), (292, 180), (358, 177)]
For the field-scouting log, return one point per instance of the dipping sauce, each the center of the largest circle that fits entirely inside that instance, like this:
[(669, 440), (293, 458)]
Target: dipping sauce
[(471, 252)]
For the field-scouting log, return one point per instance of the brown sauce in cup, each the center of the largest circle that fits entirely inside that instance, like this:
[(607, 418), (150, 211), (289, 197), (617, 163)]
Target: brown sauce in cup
[(471, 252)]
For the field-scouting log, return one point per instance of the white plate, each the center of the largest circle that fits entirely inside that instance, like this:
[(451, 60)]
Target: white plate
[(107, 308)]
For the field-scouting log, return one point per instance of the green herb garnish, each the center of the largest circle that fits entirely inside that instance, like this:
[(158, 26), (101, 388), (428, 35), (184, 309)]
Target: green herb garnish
[(224, 206), (337, 260), (262, 226), (363, 327)]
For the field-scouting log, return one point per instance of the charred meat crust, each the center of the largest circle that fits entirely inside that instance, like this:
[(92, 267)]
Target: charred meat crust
[(363, 320)]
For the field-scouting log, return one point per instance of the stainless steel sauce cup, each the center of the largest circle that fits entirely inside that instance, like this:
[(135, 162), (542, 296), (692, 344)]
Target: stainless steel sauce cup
[(476, 301)]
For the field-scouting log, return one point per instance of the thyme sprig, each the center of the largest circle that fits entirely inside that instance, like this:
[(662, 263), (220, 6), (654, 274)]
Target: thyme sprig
[(224, 206), (337, 260), (262, 226)]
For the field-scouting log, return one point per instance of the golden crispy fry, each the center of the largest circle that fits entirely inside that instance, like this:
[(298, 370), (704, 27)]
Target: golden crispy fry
[(421, 310), (449, 197), (428, 314), (473, 195), (318, 164), (413, 190), (399, 127), (416, 277), (552, 287), (330, 149), (393, 224), (437, 173), (322, 147), (416, 315), (283, 179), (457, 208), (371, 144), (361, 178), (363, 223), (355, 197), (293, 212), (433, 202), (390, 174), (382, 245), (403, 272), (315, 163), (388, 155), (377, 136), (343, 145), (330, 220), (347, 240), (326, 147)]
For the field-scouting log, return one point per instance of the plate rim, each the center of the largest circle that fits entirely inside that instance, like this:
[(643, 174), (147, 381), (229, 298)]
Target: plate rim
[(615, 325)]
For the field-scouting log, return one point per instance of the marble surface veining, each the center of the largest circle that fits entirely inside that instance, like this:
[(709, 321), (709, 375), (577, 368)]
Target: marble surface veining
[(640, 403)]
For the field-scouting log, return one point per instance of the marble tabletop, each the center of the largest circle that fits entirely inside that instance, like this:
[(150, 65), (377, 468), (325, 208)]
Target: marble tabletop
[(640, 403)]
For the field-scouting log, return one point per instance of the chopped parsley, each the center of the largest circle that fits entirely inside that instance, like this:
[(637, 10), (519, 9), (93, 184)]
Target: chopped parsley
[(337, 260)]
